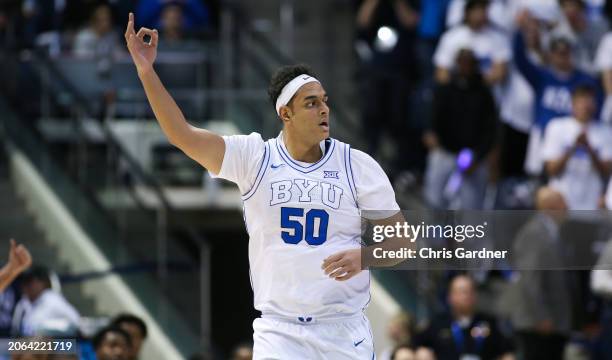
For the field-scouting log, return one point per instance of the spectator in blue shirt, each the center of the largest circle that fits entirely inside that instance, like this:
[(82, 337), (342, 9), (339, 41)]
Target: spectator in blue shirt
[(552, 84)]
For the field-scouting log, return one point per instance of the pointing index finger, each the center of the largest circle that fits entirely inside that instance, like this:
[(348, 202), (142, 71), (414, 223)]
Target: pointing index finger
[(130, 25)]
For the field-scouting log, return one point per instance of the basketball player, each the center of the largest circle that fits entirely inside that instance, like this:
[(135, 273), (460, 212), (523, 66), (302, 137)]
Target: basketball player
[(303, 193), (19, 260)]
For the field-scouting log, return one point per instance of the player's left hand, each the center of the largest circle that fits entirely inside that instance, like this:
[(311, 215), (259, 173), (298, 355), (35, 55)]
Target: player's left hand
[(343, 265)]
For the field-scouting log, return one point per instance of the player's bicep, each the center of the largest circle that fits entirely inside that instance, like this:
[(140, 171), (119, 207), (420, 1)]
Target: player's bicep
[(205, 147)]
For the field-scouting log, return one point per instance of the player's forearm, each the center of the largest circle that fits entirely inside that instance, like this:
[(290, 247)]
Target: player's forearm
[(164, 107), (203, 146)]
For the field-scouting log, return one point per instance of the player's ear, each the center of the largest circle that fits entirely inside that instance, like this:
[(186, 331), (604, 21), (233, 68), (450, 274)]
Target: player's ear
[(285, 113)]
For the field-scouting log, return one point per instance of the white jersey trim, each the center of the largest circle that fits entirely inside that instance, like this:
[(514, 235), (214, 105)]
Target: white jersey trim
[(260, 173), (309, 168), (347, 168)]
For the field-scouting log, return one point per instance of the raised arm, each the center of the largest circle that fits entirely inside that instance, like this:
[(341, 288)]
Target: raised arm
[(19, 260), (530, 71), (203, 146), (527, 37)]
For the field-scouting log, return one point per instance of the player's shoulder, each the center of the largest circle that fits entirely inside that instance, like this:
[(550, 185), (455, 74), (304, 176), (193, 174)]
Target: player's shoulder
[(249, 146), (356, 153), (253, 139), (361, 159)]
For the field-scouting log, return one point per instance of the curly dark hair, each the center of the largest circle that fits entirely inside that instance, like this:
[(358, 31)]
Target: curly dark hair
[(283, 76)]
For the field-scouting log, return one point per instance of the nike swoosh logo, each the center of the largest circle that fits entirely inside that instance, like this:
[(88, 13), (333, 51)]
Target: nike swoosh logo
[(276, 166), (359, 342), (306, 78)]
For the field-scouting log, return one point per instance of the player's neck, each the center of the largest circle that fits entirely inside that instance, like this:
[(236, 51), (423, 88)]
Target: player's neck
[(301, 150)]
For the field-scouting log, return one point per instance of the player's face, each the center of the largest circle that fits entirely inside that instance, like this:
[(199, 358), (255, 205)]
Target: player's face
[(309, 117)]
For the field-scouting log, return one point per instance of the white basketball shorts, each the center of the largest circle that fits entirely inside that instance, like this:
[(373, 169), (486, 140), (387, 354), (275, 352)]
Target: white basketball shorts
[(284, 339)]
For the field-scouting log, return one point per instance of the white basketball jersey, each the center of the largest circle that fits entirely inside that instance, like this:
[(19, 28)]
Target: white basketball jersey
[(297, 215)]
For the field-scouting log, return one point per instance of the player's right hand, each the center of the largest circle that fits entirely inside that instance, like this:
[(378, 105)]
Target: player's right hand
[(143, 53), (343, 265)]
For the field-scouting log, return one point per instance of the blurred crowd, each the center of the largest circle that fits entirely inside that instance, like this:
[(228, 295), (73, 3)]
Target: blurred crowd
[(500, 104), (491, 104), (483, 101), (33, 308), (499, 94), (94, 28)]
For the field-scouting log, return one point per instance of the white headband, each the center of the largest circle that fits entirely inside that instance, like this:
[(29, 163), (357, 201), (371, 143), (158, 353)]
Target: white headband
[(291, 88)]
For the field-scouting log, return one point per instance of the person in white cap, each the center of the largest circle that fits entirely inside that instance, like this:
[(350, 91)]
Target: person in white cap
[(303, 195)]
